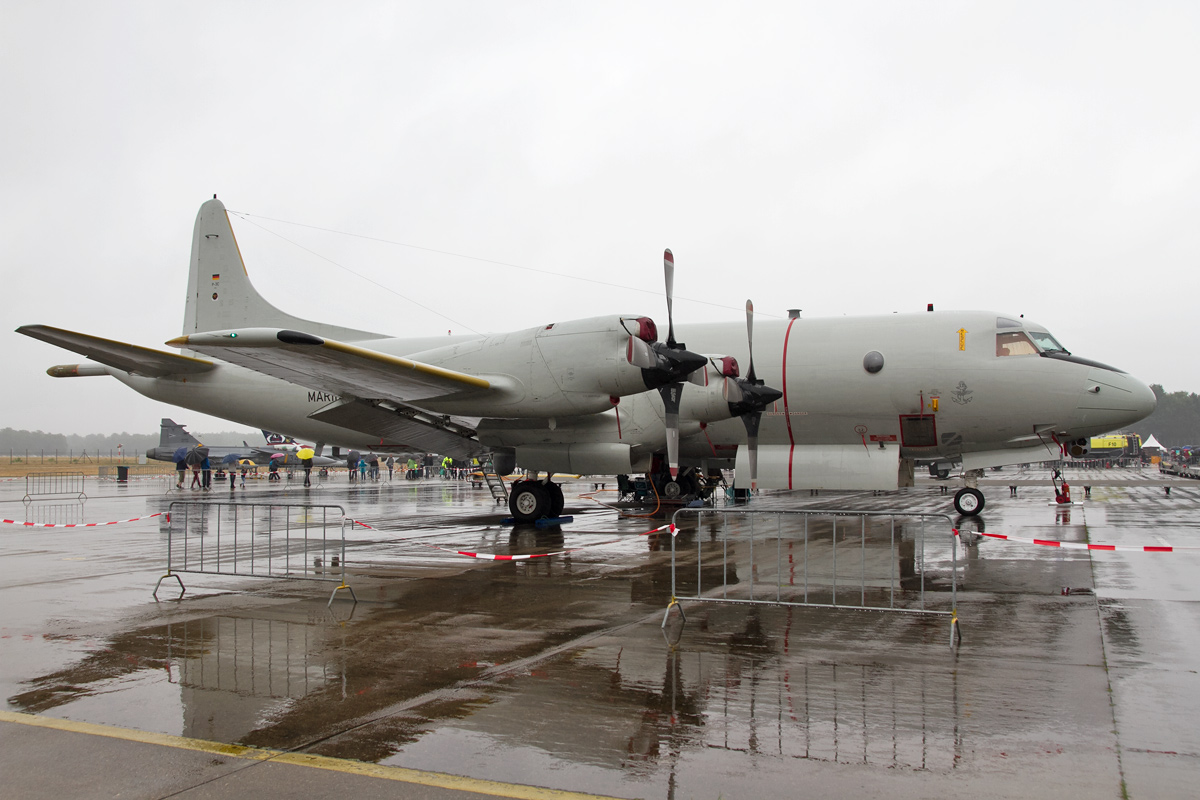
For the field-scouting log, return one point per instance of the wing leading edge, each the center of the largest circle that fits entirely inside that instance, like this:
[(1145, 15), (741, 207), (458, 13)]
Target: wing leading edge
[(337, 367)]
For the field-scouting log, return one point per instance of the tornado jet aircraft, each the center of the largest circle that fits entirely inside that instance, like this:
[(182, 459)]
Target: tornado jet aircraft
[(842, 403)]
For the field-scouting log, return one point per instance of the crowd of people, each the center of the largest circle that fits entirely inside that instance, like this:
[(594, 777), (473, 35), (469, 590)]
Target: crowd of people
[(361, 467)]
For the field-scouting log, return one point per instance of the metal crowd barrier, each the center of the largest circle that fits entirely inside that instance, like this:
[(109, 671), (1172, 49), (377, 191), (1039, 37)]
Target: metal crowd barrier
[(860, 560), (257, 540), (54, 484)]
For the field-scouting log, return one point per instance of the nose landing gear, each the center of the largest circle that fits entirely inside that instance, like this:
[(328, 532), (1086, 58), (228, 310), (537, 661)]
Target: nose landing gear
[(968, 502)]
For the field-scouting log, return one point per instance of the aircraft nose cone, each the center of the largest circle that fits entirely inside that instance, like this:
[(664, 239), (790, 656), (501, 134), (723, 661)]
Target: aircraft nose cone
[(1143, 397)]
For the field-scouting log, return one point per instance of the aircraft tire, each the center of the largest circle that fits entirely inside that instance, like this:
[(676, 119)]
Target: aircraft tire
[(557, 501), (528, 501), (968, 502)]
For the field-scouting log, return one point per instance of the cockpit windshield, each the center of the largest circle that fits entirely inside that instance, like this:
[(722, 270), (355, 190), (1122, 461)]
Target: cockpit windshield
[(1027, 343), (1047, 343)]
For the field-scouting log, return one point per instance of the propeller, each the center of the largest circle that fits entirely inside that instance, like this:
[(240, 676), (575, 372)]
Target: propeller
[(747, 397), (682, 363)]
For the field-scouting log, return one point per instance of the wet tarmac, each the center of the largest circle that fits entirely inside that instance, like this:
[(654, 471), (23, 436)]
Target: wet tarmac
[(555, 671)]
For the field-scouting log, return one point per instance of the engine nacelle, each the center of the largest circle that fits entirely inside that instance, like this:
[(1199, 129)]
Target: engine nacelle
[(706, 397), (564, 368)]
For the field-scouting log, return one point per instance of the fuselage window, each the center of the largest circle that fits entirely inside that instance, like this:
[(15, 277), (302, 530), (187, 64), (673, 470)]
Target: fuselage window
[(1014, 343)]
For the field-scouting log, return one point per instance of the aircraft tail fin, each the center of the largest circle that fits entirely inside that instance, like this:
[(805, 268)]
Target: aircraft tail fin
[(172, 435), (220, 295), (275, 439)]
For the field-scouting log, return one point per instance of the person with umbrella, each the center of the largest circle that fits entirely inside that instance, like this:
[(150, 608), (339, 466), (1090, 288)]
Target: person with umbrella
[(352, 462), (180, 456), (230, 461), (195, 459), (305, 454), (245, 464), (273, 467)]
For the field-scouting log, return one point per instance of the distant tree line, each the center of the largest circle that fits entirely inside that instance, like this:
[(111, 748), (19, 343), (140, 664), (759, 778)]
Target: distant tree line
[(1176, 420), (14, 440)]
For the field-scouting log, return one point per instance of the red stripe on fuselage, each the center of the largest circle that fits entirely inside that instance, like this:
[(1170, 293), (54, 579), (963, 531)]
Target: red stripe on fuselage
[(787, 415)]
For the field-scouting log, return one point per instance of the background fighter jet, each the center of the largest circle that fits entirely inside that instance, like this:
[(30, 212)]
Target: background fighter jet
[(842, 403), (172, 436)]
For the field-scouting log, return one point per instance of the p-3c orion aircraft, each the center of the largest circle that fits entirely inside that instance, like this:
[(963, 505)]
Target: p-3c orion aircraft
[(841, 403)]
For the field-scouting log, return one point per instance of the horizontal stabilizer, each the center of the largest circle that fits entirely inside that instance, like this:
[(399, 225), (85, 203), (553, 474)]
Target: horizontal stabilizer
[(128, 357), (333, 366)]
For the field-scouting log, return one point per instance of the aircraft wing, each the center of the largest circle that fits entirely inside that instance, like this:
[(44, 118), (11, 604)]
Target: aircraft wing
[(127, 357), (333, 366), (420, 430)]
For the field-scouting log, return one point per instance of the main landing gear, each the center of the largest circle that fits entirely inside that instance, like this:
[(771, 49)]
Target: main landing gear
[(530, 500)]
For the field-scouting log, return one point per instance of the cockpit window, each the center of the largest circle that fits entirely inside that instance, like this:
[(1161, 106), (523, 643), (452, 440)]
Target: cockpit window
[(1014, 343), (1047, 343)]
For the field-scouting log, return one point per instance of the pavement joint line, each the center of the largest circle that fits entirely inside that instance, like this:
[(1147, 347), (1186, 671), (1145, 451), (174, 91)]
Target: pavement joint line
[(312, 761)]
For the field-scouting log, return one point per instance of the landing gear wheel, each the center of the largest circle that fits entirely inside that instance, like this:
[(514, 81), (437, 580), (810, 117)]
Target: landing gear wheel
[(528, 501), (968, 502), (671, 490), (557, 502)]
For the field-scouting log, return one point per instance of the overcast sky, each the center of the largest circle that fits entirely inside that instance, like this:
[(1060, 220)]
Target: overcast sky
[(843, 158)]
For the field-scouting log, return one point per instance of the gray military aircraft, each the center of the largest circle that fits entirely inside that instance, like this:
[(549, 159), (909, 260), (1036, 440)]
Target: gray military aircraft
[(172, 437), (858, 400)]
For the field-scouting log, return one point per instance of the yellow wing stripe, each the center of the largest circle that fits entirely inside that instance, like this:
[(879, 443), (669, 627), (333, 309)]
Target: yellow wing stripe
[(416, 366)]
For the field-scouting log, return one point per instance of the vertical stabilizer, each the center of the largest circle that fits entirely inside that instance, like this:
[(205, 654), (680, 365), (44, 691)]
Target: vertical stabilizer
[(276, 439), (172, 435), (220, 295)]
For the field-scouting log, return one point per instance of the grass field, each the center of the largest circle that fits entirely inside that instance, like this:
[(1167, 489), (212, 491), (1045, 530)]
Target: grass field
[(19, 467)]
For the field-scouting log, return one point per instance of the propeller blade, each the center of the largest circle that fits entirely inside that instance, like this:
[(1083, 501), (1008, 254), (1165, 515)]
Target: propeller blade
[(732, 390), (669, 275), (641, 354), (671, 395), (751, 422)]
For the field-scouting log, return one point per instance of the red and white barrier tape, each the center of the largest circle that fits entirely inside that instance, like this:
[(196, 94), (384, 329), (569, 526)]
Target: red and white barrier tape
[(80, 524), (1080, 545)]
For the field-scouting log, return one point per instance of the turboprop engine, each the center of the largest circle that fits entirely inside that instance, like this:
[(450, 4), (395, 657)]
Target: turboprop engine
[(564, 368)]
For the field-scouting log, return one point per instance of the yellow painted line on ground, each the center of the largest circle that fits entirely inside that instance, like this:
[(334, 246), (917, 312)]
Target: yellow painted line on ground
[(438, 779), (131, 735), (402, 774)]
